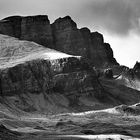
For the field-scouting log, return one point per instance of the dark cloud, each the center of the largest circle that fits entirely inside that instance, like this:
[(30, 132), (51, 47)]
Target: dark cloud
[(115, 16)]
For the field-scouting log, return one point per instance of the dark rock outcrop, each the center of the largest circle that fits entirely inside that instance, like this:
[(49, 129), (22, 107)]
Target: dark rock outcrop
[(129, 110), (32, 28), (130, 76), (69, 39), (63, 35), (136, 70), (108, 73), (132, 73)]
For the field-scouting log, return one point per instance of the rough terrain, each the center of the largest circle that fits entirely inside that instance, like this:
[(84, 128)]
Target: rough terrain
[(67, 85)]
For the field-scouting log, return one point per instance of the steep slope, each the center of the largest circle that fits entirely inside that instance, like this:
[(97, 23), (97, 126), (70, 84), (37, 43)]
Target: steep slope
[(63, 35), (33, 28)]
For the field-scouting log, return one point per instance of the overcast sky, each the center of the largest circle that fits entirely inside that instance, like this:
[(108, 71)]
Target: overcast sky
[(118, 20)]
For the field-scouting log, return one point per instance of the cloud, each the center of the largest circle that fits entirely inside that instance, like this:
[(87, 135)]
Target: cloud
[(115, 16), (50, 7)]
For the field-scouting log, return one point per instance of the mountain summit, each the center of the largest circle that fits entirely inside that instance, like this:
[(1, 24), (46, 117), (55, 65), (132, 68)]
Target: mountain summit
[(62, 35)]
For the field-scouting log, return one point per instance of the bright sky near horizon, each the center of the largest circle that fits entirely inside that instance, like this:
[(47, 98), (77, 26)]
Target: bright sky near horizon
[(117, 20)]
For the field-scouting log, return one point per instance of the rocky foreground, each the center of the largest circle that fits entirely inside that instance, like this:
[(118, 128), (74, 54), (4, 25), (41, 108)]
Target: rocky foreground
[(77, 91)]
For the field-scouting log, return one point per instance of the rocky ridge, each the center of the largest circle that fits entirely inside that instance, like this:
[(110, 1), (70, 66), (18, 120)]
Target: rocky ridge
[(130, 77), (62, 35)]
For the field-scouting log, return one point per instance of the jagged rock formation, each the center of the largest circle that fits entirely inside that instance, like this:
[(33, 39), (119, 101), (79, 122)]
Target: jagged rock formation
[(130, 77), (75, 41), (63, 35)]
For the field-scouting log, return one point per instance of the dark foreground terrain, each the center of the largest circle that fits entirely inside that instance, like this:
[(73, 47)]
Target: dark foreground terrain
[(103, 124)]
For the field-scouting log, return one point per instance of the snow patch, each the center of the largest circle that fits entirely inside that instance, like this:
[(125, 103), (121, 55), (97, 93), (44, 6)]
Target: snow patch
[(102, 137), (56, 55)]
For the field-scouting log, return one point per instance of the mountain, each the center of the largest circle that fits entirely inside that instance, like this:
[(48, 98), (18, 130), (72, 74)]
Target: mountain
[(61, 82), (62, 35)]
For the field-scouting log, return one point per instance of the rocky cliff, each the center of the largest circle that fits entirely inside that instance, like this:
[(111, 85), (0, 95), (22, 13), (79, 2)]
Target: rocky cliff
[(130, 77), (62, 35), (37, 79), (33, 28)]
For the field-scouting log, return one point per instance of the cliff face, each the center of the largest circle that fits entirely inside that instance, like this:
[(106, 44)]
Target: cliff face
[(37, 29), (136, 70), (32, 28), (81, 42), (37, 79), (63, 35)]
